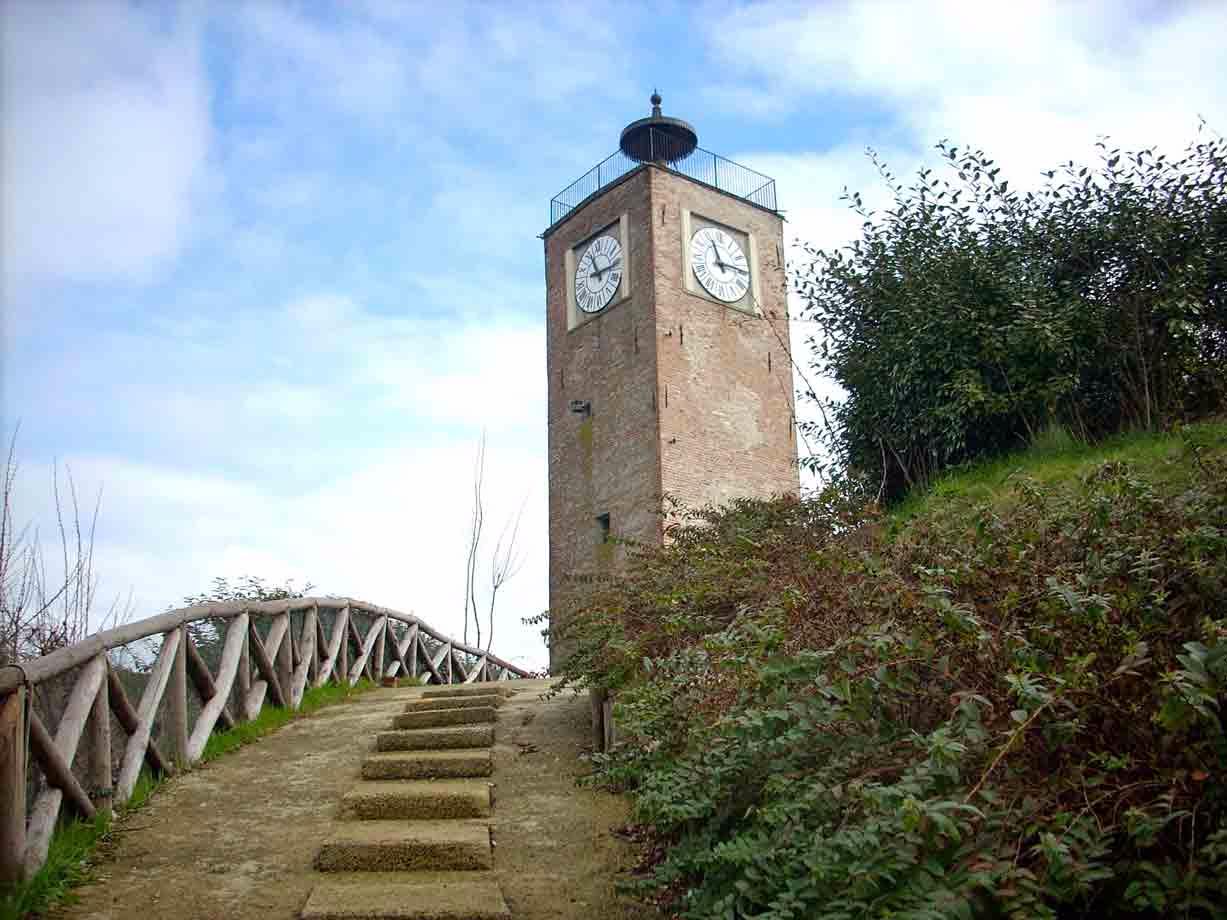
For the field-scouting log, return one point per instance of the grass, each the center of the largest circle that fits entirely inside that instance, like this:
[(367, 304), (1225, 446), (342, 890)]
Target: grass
[(1057, 457), (272, 718), (67, 865), (74, 844)]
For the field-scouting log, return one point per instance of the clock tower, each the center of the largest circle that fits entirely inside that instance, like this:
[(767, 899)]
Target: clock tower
[(667, 347)]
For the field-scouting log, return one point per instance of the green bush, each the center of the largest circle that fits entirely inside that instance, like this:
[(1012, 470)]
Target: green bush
[(969, 316), (1001, 706)]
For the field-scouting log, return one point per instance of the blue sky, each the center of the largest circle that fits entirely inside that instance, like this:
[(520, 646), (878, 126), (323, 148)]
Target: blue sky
[(269, 269)]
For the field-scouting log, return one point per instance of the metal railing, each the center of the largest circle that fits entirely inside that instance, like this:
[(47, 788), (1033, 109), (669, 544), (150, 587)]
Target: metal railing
[(665, 150), (268, 651)]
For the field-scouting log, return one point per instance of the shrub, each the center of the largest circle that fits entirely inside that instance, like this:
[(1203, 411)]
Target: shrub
[(969, 315), (999, 707)]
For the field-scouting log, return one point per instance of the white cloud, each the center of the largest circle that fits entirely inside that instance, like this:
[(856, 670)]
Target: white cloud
[(316, 440), (1032, 83), (809, 187), (298, 404), (105, 141), (356, 67), (393, 531), (466, 68)]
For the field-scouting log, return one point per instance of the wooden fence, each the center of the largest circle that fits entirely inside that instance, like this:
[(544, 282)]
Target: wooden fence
[(274, 664)]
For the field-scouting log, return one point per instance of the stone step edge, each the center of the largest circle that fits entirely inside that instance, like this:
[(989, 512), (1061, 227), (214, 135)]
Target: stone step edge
[(444, 692), (396, 896), (447, 737), (431, 704), (410, 799), (406, 846), (461, 763), (441, 718)]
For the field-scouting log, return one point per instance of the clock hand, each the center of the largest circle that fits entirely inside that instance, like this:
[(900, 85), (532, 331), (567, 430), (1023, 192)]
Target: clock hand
[(597, 272), (608, 267), (719, 261)]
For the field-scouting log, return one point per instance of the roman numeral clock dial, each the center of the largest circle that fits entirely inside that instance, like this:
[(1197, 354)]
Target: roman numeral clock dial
[(720, 265), (599, 274)]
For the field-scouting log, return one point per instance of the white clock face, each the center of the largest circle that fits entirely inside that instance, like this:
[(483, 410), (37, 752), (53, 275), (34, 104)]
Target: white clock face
[(719, 264), (599, 274)]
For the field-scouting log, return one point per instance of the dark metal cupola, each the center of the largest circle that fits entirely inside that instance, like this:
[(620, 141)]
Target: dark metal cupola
[(658, 139)]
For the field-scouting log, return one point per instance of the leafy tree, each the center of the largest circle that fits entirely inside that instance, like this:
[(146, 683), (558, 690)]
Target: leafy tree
[(247, 588), (209, 636), (971, 316)]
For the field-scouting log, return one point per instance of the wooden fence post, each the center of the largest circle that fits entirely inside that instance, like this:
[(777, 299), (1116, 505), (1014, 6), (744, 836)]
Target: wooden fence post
[(379, 653), (343, 667), (313, 672), (244, 683), (12, 786), (176, 709), (285, 661), (99, 767)]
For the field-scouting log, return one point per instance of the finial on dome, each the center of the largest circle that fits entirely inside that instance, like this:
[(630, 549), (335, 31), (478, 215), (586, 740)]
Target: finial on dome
[(658, 138)]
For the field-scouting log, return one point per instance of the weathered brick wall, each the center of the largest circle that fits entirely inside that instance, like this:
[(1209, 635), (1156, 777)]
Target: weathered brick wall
[(689, 397), (727, 429), (607, 463)]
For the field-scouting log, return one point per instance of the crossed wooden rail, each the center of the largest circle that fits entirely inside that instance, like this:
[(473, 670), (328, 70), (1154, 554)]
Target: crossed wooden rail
[(284, 665)]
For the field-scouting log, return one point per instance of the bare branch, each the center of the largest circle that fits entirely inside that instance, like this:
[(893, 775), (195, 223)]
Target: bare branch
[(39, 613), (475, 527), (505, 563)]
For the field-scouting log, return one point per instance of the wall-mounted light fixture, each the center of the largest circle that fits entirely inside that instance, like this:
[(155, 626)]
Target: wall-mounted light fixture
[(581, 407)]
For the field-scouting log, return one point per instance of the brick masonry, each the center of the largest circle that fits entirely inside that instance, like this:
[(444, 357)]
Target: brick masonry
[(690, 397)]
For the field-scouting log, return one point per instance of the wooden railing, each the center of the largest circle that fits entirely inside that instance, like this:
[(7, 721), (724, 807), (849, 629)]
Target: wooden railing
[(267, 654)]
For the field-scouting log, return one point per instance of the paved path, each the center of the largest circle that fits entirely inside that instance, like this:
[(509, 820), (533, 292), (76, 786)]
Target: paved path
[(238, 837)]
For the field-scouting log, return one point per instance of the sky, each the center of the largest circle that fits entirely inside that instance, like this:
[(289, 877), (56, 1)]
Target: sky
[(269, 270)]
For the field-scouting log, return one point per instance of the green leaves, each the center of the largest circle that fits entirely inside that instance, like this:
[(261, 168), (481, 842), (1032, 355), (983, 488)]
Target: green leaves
[(1007, 705), (966, 319), (1194, 689)]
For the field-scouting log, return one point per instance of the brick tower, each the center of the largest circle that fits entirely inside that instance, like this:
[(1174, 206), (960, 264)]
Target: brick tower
[(667, 346)]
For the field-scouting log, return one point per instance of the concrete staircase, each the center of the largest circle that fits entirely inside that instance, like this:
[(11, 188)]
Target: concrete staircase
[(415, 843)]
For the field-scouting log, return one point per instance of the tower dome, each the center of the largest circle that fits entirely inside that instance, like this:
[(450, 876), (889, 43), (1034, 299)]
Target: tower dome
[(658, 138)]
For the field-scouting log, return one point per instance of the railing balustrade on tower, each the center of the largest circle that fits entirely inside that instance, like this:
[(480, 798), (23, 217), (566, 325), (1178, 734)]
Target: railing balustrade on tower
[(668, 152)]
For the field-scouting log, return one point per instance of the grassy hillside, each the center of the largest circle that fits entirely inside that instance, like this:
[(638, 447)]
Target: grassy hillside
[(1001, 699)]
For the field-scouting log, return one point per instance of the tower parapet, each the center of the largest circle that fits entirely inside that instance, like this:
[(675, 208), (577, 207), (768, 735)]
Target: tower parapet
[(671, 143)]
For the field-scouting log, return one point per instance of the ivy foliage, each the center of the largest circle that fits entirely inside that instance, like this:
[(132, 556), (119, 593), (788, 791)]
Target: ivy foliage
[(1001, 707), (969, 315)]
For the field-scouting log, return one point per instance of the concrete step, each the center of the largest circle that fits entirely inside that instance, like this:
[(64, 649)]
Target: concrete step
[(431, 739), (418, 799), (427, 764), (421, 896), (406, 846), (436, 693), (455, 702), (437, 718)]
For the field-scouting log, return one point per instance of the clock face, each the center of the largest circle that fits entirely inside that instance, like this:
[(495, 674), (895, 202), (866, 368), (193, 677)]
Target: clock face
[(719, 264), (599, 274)]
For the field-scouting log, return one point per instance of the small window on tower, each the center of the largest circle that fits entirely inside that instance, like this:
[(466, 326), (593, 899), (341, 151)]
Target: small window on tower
[(602, 528)]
